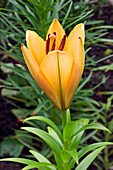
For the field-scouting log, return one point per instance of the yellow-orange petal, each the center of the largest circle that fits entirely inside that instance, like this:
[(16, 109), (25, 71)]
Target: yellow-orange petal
[(77, 32), (36, 45), (55, 63), (76, 72), (56, 27), (39, 77)]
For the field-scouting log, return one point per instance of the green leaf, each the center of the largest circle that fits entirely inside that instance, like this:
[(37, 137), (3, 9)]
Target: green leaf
[(67, 155), (74, 154), (91, 126), (105, 40), (88, 148), (8, 92), (5, 69), (42, 166), (29, 167), (55, 146), (29, 162), (20, 160), (54, 135), (53, 143), (40, 106), (70, 129), (41, 158), (84, 82), (49, 122), (104, 68), (84, 164)]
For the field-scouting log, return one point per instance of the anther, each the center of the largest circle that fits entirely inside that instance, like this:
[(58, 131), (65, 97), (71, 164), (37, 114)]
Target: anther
[(79, 37), (62, 44), (54, 33), (47, 44), (53, 46), (49, 35)]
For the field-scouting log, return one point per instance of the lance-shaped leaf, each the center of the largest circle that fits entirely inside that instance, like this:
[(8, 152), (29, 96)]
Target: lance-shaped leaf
[(41, 158), (53, 143), (67, 155), (88, 148), (90, 126), (93, 146), (29, 162), (49, 122), (70, 129), (54, 135), (84, 164)]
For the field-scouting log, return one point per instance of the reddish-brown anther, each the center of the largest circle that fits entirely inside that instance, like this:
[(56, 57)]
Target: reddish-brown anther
[(53, 46), (47, 44), (62, 44)]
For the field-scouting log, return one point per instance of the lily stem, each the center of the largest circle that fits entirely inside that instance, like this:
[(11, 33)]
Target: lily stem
[(65, 117), (63, 113)]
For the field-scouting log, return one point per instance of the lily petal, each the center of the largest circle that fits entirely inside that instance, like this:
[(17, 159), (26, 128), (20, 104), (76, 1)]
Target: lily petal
[(39, 77), (76, 72), (36, 45), (77, 32), (56, 27), (55, 63)]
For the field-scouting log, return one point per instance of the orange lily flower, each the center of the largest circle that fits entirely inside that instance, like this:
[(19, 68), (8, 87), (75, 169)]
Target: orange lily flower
[(56, 64)]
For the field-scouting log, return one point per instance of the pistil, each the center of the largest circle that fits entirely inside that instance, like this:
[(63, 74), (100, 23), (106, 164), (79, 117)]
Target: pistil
[(51, 43)]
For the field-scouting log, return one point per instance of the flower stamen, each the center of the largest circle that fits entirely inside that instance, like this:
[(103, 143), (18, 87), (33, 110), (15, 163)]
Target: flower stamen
[(47, 44), (50, 42), (53, 46), (62, 44)]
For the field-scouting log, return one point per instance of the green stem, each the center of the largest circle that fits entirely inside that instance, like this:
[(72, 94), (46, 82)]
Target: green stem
[(65, 117), (63, 113)]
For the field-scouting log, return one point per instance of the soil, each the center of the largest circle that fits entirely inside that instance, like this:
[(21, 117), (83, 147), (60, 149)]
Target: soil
[(8, 122), (10, 166)]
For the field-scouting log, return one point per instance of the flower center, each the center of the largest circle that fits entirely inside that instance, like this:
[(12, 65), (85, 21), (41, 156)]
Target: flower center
[(51, 43)]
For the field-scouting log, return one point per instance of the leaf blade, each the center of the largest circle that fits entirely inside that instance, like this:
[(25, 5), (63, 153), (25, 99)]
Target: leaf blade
[(84, 164)]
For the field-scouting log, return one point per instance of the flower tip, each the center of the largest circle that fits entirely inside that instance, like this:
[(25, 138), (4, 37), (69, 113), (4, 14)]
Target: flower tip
[(27, 34), (82, 26), (55, 19)]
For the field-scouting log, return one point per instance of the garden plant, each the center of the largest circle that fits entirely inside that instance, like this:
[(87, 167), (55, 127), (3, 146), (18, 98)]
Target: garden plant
[(58, 111)]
